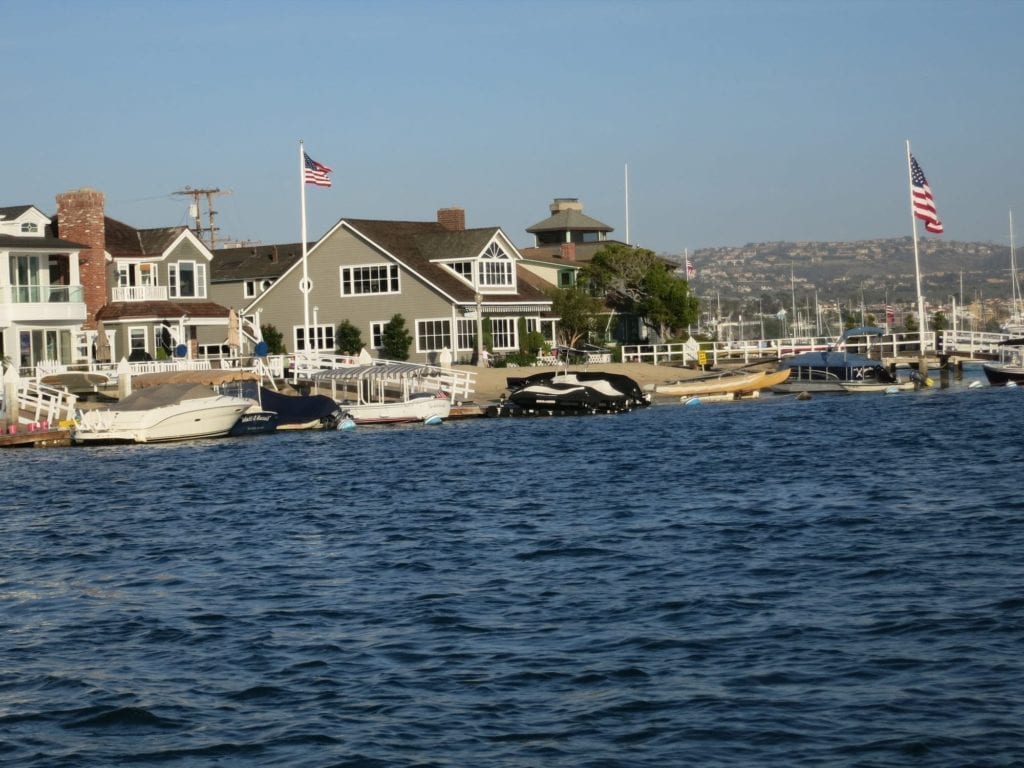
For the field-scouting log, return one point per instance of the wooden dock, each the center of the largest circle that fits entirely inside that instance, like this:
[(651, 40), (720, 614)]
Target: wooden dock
[(50, 438)]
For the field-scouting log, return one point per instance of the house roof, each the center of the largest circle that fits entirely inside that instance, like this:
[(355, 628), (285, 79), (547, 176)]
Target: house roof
[(570, 220), (552, 254), (418, 244), (254, 262), (125, 310), (125, 241), (49, 240)]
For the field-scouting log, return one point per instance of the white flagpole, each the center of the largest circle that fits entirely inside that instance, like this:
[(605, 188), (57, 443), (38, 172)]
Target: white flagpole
[(921, 319), (304, 286), (626, 173)]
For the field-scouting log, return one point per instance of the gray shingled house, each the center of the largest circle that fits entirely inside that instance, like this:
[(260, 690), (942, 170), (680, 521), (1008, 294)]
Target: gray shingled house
[(444, 279)]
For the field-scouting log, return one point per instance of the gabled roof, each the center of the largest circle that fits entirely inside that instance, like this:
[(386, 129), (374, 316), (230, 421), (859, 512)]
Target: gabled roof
[(570, 220), (48, 241), (253, 262), (552, 254), (14, 211), (419, 244), (126, 242)]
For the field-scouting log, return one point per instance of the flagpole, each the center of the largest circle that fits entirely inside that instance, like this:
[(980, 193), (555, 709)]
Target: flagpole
[(921, 322), (304, 285), (626, 178)]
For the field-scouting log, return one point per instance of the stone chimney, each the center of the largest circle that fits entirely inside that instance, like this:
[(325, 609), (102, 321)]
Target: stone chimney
[(453, 219), (568, 252), (80, 220)]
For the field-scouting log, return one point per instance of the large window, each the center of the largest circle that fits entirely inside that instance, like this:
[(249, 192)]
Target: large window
[(187, 280), (137, 340), (495, 267), (433, 335), (321, 338), (503, 333), (370, 280)]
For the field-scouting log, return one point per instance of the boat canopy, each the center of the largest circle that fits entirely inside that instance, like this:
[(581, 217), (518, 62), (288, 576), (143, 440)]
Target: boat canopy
[(830, 360), (863, 330), (382, 371)]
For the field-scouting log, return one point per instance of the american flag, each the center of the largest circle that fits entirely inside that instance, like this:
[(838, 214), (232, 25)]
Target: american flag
[(890, 314), (316, 173), (924, 204), (690, 270)]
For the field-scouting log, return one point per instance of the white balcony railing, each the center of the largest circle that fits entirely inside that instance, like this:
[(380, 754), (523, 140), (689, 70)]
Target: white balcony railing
[(139, 293)]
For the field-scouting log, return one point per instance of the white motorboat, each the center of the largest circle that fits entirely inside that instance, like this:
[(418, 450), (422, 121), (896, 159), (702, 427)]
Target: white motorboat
[(162, 414), (388, 392)]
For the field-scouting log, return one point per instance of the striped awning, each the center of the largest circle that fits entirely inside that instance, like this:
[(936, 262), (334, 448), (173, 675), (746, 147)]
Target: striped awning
[(390, 371)]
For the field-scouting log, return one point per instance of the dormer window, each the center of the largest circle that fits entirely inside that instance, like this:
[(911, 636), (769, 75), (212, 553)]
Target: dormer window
[(495, 267), (29, 228)]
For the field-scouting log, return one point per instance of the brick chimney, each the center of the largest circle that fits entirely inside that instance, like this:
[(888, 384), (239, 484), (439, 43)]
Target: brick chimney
[(80, 220), (453, 219), (568, 251)]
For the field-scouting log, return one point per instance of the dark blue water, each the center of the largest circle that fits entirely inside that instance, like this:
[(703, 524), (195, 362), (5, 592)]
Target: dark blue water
[(772, 583)]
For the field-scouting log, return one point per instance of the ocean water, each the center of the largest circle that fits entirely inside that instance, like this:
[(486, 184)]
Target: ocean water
[(772, 583)]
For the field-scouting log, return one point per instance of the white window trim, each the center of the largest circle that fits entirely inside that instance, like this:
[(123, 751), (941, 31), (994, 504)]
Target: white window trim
[(444, 320), (393, 273)]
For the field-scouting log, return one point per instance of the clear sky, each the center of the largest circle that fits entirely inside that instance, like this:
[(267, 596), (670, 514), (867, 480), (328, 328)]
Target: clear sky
[(739, 121)]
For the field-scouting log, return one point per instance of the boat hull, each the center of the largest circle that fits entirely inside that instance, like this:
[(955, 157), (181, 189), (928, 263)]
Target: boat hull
[(1000, 375), (188, 420), (416, 409), (736, 384)]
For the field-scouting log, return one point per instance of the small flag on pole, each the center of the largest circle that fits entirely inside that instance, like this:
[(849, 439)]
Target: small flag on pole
[(890, 314), (924, 204), (316, 173), (690, 270)]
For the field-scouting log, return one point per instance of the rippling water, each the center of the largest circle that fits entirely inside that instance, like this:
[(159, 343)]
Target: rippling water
[(832, 582)]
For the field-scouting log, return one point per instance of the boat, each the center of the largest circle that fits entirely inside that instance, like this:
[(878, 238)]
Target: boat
[(271, 410), (161, 413), (735, 383), (570, 393), (1010, 366), (387, 392), (838, 372)]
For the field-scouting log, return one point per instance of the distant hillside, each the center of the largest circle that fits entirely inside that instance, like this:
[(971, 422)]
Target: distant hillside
[(879, 269)]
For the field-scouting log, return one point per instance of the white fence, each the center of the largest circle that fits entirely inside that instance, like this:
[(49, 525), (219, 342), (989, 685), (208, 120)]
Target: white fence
[(967, 344)]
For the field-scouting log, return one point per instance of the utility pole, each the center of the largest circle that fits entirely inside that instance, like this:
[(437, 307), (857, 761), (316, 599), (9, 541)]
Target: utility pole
[(207, 234)]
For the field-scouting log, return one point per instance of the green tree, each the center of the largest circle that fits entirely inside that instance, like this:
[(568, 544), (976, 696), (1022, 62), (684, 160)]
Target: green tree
[(347, 339), (395, 339), (637, 281), (577, 311), (274, 339), (939, 321), (910, 323)]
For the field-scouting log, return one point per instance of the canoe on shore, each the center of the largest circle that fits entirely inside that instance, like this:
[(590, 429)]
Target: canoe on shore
[(734, 383)]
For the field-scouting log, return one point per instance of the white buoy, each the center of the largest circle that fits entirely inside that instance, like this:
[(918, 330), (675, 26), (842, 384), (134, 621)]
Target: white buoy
[(1011, 383), (976, 384), (892, 390), (432, 421), (691, 401), (346, 424)]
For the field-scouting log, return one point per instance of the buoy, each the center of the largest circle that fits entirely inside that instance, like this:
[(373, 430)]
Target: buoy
[(691, 401), (975, 384), (432, 421), (1009, 384), (346, 423), (804, 396), (892, 390)]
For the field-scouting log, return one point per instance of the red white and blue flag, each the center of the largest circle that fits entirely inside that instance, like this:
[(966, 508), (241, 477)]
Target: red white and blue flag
[(890, 314), (924, 204), (316, 173), (691, 271)]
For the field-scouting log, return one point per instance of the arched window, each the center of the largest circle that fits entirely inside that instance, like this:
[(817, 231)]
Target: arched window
[(29, 228), (495, 267)]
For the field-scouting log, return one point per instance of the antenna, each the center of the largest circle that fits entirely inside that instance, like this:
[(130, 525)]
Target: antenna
[(207, 234)]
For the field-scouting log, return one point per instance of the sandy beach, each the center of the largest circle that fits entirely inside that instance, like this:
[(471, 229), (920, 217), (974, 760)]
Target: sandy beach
[(491, 382)]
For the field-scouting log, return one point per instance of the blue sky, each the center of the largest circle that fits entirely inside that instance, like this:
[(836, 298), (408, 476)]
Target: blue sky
[(739, 121)]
